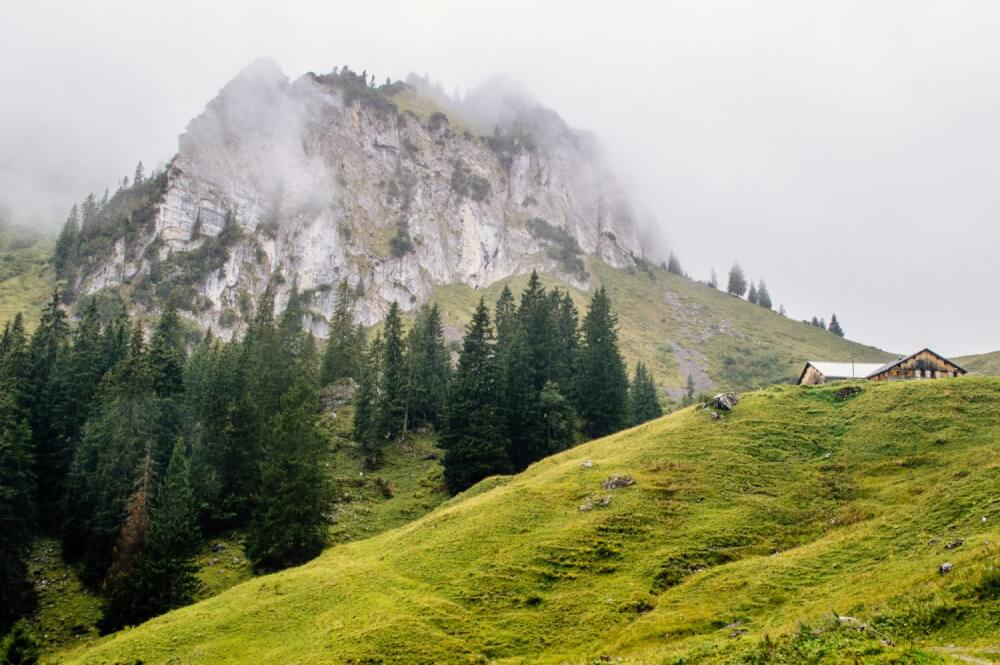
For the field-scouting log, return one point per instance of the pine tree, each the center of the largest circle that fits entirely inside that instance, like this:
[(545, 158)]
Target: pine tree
[(366, 403), (674, 265), (163, 576), (763, 295), (602, 379), (835, 327), (345, 343), (391, 405), (752, 294), (642, 396), (689, 393), (428, 369), (288, 526), (737, 282), (167, 353), (472, 438), (47, 349), (558, 417), (64, 254), (17, 509), (139, 176), (20, 647)]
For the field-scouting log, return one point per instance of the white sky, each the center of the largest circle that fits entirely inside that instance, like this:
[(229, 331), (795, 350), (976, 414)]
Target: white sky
[(848, 152)]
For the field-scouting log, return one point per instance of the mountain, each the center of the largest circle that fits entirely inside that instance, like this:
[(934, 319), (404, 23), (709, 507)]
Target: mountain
[(328, 178), (806, 525), (982, 363), (412, 196)]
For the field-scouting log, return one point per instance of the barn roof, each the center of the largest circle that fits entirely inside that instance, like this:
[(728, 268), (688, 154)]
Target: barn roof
[(897, 361), (848, 370)]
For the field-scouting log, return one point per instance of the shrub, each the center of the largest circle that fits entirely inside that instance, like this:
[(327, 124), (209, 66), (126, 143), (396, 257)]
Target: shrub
[(561, 246)]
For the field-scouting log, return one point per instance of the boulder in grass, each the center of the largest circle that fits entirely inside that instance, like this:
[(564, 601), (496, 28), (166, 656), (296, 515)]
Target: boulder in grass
[(617, 481), (725, 401)]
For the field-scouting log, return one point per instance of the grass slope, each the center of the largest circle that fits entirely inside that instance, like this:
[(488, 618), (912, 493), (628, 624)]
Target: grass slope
[(792, 507), (25, 276), (407, 486), (982, 363), (680, 327)]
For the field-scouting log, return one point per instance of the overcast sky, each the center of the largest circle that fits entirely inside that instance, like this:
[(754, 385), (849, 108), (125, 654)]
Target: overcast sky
[(848, 152)]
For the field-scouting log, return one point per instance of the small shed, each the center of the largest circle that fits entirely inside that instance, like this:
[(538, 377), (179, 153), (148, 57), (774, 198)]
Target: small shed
[(924, 364), (818, 372)]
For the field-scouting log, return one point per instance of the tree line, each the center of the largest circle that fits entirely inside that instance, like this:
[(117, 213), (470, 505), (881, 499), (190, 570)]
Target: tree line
[(129, 448), (133, 446)]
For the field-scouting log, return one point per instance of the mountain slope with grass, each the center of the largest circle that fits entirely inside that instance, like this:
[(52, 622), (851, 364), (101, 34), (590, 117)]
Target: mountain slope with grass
[(981, 363), (25, 275), (680, 327), (806, 524)]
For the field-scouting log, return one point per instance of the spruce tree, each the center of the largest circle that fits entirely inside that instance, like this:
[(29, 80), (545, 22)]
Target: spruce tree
[(689, 393), (288, 526), (64, 254), (642, 396), (167, 353), (558, 417), (391, 406), (17, 509), (674, 265), (835, 327), (752, 294), (602, 379), (472, 438), (20, 647), (366, 405), (47, 349), (764, 296), (345, 342), (428, 368), (737, 282)]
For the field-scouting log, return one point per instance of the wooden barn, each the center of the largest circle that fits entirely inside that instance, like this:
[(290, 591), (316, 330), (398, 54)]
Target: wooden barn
[(924, 364)]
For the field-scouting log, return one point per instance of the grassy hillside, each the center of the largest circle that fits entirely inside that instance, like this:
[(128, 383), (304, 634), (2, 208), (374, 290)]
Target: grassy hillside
[(804, 526), (365, 503), (681, 327), (25, 278), (982, 363)]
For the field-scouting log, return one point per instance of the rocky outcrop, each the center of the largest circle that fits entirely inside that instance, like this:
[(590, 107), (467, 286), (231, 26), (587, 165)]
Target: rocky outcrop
[(326, 178)]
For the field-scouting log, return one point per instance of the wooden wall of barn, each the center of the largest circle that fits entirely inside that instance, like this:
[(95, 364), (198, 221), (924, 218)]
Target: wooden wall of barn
[(812, 377), (924, 365)]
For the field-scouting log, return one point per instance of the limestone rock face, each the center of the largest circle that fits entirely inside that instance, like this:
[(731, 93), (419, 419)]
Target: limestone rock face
[(327, 180)]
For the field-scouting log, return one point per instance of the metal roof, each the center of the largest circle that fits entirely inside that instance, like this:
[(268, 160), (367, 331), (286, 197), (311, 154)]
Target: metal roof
[(890, 365), (848, 370)]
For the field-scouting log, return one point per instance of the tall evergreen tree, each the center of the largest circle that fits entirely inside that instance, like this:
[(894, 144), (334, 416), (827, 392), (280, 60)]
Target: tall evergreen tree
[(472, 438), (602, 379), (737, 282), (835, 327), (674, 265), (64, 254), (642, 396), (17, 509), (162, 575), (167, 353), (345, 343), (288, 526), (764, 296), (366, 405), (752, 293), (47, 349), (391, 409), (428, 369)]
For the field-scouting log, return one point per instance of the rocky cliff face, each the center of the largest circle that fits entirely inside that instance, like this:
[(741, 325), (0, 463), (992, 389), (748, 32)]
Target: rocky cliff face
[(326, 178)]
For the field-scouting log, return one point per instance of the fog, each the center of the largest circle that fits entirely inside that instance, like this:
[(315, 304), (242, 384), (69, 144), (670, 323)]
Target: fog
[(847, 152)]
